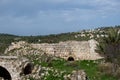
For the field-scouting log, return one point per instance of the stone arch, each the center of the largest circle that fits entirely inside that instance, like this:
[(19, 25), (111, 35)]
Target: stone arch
[(28, 68), (5, 74), (70, 58)]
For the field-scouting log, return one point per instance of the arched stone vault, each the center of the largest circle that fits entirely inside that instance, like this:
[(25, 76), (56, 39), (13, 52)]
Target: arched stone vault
[(4, 73), (70, 58), (13, 65)]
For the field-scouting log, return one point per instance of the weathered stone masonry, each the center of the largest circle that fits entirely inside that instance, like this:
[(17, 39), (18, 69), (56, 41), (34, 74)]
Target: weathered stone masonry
[(79, 50), (11, 67)]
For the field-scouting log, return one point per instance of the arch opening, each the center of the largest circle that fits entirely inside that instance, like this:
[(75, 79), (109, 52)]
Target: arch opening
[(70, 58), (28, 69), (5, 74)]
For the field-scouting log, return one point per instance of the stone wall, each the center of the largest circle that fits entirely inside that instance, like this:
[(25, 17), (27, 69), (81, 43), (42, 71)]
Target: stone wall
[(15, 62), (13, 65), (79, 50)]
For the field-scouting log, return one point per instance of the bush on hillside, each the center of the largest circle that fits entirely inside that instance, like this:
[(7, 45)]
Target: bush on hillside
[(109, 46)]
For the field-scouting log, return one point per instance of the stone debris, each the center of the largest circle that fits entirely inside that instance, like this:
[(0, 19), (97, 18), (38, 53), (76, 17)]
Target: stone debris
[(76, 75)]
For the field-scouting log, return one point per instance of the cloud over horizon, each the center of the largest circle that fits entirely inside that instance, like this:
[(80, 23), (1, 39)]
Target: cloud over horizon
[(41, 17)]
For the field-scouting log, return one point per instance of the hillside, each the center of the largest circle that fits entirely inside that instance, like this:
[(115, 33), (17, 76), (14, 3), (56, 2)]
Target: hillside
[(84, 35), (66, 56), (56, 67)]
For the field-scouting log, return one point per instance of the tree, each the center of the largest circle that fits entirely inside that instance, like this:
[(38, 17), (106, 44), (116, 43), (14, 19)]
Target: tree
[(109, 46)]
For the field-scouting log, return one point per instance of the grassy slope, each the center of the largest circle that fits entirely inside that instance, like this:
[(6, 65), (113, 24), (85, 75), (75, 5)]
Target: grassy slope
[(90, 67)]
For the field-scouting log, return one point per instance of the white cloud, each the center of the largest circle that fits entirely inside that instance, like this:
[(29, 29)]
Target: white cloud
[(42, 14), (73, 9)]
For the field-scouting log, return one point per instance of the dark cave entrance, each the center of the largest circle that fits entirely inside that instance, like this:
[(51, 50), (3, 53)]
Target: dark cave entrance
[(70, 58), (28, 69), (5, 74)]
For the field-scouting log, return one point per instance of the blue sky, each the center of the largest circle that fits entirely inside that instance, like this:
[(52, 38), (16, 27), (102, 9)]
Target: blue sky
[(42, 17)]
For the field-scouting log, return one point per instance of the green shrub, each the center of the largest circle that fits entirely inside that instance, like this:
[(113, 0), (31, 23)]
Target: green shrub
[(109, 47), (107, 68)]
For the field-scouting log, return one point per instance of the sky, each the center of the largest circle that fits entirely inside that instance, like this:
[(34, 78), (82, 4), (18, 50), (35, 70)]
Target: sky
[(43, 17)]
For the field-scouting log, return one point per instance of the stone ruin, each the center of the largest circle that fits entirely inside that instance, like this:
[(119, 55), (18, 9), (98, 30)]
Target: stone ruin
[(78, 50), (12, 67)]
